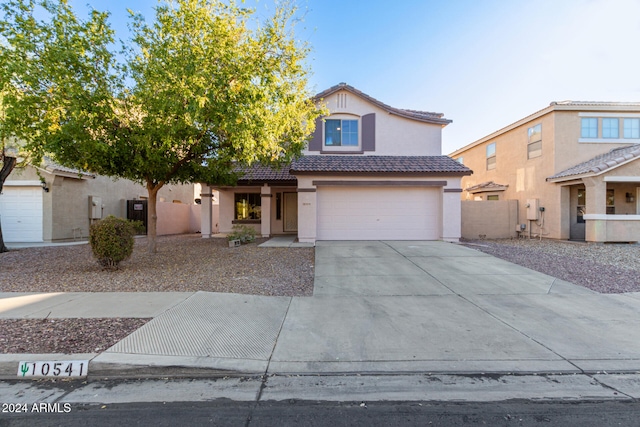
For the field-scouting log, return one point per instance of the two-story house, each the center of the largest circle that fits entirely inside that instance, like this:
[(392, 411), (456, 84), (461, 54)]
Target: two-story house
[(369, 172), (572, 167)]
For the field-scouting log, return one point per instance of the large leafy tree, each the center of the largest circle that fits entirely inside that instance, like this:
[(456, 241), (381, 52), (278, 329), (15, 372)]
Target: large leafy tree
[(198, 90)]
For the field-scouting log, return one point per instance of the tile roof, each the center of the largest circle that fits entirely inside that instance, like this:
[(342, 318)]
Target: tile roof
[(379, 164), (600, 163), (261, 173), (487, 186), (48, 165), (423, 116)]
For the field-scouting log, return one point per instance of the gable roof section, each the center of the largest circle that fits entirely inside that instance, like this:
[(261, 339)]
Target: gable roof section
[(487, 186), (599, 164), (422, 116), (424, 165)]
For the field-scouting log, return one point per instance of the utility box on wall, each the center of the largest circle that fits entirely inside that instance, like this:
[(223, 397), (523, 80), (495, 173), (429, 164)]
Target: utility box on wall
[(533, 207), (95, 207)]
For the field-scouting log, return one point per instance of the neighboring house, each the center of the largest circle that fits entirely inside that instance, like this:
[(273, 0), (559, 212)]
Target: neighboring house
[(573, 168), (54, 203), (370, 171)]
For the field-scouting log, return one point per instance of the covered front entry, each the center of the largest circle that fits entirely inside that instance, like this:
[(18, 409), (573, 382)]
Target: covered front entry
[(378, 212)]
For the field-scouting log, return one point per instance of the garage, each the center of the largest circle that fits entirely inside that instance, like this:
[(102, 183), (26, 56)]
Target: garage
[(378, 213), (21, 213)]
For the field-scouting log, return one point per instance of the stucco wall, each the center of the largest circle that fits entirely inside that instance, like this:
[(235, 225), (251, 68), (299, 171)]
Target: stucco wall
[(489, 219), (395, 136), (562, 148), (525, 178), (180, 218)]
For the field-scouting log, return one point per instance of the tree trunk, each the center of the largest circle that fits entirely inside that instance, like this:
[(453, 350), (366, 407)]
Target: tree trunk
[(152, 217), (3, 248), (8, 163)]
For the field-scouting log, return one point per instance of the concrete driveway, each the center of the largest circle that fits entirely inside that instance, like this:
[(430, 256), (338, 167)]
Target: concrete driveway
[(399, 307), (436, 306)]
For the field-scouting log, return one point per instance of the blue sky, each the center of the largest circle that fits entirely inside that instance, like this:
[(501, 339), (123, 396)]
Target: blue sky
[(483, 63)]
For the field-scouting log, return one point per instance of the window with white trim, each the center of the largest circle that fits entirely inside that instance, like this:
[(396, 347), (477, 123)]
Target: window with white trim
[(534, 144), (589, 127), (491, 156), (610, 128), (631, 128)]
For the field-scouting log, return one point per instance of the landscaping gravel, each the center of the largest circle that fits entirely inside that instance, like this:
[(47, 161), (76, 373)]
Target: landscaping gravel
[(41, 336), (605, 268), (183, 263)]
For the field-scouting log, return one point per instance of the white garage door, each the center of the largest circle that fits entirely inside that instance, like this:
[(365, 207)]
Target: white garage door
[(21, 214), (378, 213)]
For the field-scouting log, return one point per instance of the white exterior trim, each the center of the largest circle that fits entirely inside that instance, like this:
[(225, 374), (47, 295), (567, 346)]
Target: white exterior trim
[(22, 183), (609, 140), (622, 179), (605, 217), (615, 115)]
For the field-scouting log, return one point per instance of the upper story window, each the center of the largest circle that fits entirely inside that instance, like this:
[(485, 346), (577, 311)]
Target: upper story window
[(589, 127), (461, 160), (610, 128), (534, 143), (491, 156), (631, 128), (341, 133)]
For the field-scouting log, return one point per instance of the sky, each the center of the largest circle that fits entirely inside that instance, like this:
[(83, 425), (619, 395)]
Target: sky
[(482, 63)]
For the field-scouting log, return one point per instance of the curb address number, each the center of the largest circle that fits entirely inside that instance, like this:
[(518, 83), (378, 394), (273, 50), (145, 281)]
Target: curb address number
[(74, 368)]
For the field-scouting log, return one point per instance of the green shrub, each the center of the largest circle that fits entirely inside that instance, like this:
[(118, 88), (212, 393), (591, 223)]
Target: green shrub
[(111, 240), (244, 233)]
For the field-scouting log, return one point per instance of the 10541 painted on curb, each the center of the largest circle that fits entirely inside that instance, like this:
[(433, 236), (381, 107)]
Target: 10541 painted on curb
[(73, 368)]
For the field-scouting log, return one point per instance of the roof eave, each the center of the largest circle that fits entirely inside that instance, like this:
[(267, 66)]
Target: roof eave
[(391, 110), (378, 173)]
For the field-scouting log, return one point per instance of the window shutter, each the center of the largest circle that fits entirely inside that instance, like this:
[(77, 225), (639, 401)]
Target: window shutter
[(315, 144), (369, 132)]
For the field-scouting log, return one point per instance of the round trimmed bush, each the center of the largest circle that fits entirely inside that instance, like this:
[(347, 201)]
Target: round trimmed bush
[(111, 240)]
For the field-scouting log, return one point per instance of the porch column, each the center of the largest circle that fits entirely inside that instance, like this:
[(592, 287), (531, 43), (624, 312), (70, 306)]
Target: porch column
[(596, 194), (265, 209), (451, 215), (206, 211)]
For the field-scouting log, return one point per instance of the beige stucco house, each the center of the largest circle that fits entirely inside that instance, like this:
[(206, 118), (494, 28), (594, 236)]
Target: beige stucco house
[(53, 203), (370, 171), (572, 167)]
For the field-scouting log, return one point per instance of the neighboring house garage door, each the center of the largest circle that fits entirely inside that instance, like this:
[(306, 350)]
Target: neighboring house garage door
[(373, 213), (21, 214)]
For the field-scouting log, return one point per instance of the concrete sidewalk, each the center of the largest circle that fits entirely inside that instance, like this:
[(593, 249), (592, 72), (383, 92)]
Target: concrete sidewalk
[(378, 307)]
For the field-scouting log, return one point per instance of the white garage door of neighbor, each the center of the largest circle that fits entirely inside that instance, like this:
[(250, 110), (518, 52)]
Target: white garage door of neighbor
[(21, 214), (378, 213)]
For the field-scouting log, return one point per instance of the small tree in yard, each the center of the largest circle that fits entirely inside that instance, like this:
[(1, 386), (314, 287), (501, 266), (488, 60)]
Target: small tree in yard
[(112, 240), (7, 162), (201, 89)]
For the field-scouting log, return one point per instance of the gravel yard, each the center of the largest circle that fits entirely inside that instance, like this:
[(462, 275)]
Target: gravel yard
[(183, 263), (605, 268)]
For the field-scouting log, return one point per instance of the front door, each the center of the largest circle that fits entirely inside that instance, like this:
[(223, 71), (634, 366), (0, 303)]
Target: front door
[(578, 205), (290, 212)]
